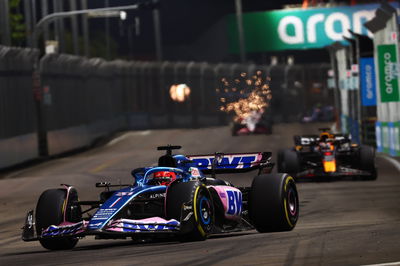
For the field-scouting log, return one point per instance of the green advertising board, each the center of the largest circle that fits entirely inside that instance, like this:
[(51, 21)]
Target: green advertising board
[(388, 81), (299, 28)]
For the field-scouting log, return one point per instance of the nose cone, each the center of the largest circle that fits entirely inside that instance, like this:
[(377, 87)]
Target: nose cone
[(329, 166)]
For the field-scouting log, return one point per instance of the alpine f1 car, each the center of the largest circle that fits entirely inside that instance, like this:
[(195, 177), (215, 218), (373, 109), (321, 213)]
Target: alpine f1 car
[(328, 155), (174, 199)]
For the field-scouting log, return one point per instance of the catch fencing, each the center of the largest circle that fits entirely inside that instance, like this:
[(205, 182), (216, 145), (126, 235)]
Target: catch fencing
[(82, 99), (18, 140)]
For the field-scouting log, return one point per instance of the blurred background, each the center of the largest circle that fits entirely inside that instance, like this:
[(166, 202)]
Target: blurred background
[(73, 71)]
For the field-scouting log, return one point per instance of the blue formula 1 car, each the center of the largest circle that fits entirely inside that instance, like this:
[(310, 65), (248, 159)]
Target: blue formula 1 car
[(175, 199)]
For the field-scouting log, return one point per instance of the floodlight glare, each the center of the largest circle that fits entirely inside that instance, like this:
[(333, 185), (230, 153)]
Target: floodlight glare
[(122, 15)]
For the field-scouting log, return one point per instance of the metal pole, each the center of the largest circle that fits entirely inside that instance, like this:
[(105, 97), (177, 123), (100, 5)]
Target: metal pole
[(59, 25), (336, 91), (60, 6), (85, 25), (74, 25), (7, 27), (56, 26), (239, 19), (45, 11), (5, 23), (34, 18), (106, 4), (28, 21), (3, 13), (157, 32), (52, 17)]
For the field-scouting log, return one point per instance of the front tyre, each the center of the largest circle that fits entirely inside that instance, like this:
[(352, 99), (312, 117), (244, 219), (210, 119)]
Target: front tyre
[(50, 211), (273, 203), (197, 223)]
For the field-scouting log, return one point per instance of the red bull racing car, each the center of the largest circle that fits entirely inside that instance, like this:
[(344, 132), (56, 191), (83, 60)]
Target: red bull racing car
[(174, 199), (326, 156)]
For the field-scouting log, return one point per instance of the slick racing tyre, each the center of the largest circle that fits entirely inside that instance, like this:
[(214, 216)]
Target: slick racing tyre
[(288, 162), (273, 203), (191, 200), (50, 211), (367, 161)]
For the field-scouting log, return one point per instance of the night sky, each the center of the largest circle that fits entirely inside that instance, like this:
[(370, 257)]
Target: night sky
[(183, 22), (192, 30)]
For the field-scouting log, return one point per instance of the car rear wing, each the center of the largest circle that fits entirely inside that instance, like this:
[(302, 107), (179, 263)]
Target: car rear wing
[(308, 140), (220, 163), (305, 140)]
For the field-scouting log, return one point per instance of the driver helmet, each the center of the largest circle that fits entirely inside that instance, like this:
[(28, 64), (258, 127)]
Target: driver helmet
[(324, 136), (164, 178)]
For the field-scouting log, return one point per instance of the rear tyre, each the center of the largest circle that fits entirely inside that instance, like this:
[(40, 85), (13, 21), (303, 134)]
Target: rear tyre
[(273, 203), (367, 161), (50, 211), (194, 196), (288, 162)]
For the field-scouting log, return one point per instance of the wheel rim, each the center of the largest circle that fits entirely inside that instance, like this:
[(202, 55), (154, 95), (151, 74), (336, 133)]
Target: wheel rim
[(292, 201), (205, 210)]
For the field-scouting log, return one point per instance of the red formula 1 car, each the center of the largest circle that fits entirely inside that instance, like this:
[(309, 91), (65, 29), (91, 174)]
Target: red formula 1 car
[(328, 155)]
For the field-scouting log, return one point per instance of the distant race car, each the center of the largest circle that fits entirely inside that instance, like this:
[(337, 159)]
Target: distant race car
[(327, 155), (174, 199), (256, 123)]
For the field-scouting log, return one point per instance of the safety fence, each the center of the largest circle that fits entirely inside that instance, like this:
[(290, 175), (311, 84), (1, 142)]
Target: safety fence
[(18, 140), (80, 99)]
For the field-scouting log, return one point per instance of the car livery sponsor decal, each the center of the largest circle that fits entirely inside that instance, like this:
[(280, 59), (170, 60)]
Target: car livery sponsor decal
[(116, 202), (103, 214), (122, 193), (234, 202), (65, 228), (149, 224), (231, 199), (308, 140), (228, 161)]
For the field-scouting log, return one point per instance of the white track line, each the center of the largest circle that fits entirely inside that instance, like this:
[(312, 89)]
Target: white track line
[(384, 264), (129, 134), (393, 161)]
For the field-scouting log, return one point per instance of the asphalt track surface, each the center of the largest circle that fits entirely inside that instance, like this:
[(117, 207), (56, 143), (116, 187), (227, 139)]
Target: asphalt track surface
[(341, 222)]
